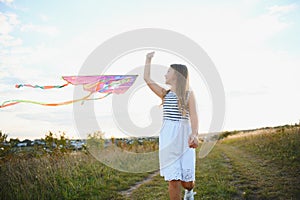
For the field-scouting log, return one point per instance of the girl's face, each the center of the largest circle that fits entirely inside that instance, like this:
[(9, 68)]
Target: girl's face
[(170, 76)]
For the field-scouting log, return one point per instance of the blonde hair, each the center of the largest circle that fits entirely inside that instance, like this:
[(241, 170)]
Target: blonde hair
[(182, 86)]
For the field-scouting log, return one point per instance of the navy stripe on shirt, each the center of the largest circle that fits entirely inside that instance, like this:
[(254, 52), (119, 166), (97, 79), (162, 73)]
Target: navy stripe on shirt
[(170, 108)]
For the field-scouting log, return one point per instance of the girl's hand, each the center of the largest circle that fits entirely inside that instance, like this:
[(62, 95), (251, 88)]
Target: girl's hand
[(150, 55), (193, 141)]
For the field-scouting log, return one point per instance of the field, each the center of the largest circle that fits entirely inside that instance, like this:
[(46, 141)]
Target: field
[(250, 166)]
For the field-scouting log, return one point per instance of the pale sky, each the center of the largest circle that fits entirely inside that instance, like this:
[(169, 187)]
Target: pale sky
[(255, 46)]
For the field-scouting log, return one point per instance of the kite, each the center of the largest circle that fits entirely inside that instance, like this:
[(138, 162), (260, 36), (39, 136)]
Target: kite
[(105, 84)]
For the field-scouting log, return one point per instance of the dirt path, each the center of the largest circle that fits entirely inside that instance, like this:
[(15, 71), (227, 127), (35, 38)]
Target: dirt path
[(127, 193), (253, 175), (233, 172)]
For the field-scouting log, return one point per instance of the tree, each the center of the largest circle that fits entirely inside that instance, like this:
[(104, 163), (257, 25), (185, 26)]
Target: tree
[(3, 137), (96, 140), (4, 147), (14, 142)]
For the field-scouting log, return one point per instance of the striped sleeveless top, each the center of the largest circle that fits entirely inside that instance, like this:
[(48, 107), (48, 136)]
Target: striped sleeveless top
[(170, 108)]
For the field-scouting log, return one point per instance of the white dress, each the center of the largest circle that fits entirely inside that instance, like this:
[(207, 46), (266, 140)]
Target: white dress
[(176, 158)]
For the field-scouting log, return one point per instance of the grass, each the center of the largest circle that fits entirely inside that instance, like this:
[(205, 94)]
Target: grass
[(268, 165), (78, 176), (262, 166), (213, 181)]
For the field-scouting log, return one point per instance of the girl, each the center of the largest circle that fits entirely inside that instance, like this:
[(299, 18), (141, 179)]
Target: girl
[(178, 135)]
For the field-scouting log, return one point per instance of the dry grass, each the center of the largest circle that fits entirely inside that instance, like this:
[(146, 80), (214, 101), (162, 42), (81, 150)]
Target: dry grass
[(257, 166), (77, 176)]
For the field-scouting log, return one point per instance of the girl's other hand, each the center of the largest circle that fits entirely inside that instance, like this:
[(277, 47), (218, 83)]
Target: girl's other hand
[(193, 141), (150, 55)]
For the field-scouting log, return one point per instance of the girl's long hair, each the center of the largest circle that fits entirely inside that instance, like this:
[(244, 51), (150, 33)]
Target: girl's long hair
[(182, 86)]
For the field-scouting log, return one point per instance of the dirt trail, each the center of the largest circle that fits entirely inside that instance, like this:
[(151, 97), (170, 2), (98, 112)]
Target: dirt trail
[(229, 164), (127, 193), (253, 174)]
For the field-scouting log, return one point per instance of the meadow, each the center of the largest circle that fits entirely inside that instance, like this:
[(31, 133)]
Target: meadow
[(251, 166)]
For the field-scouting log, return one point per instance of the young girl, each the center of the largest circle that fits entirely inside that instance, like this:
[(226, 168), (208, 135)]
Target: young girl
[(178, 135)]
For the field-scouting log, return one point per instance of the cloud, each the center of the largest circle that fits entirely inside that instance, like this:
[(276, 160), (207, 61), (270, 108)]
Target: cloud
[(234, 38), (55, 118), (8, 21), (14, 56), (9, 81), (10, 58), (43, 17), (260, 29), (49, 30), (8, 2), (9, 41), (282, 9)]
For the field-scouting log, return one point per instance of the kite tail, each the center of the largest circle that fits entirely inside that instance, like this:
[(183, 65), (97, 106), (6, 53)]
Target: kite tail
[(14, 102), (44, 87)]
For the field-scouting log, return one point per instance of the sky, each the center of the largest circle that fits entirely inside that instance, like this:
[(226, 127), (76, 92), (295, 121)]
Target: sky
[(254, 44)]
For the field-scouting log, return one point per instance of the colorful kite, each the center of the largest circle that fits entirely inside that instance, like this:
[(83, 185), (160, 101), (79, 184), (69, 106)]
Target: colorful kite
[(106, 84)]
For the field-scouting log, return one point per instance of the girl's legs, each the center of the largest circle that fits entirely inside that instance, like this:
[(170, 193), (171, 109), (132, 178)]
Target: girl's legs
[(174, 190), (188, 185)]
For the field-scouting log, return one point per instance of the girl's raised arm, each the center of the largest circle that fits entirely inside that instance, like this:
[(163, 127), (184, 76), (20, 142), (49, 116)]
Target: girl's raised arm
[(159, 91)]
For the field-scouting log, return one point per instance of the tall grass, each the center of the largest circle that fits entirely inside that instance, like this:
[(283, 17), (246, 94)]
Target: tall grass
[(267, 164), (71, 176), (262, 166), (281, 145)]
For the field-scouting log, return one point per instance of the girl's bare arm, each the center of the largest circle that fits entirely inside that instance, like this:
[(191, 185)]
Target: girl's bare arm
[(159, 91), (193, 140)]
